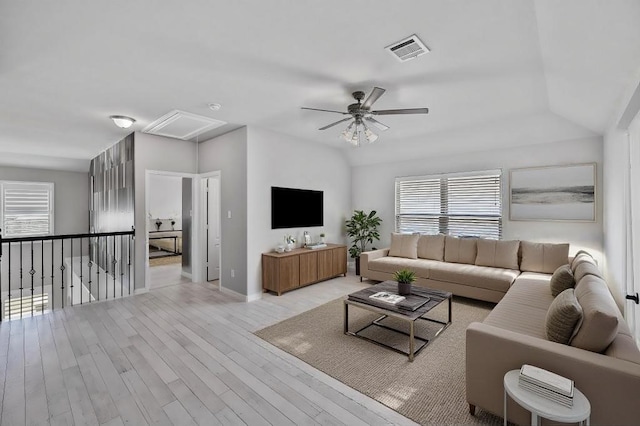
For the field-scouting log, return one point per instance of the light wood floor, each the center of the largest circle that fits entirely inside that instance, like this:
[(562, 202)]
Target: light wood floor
[(182, 355), (164, 275)]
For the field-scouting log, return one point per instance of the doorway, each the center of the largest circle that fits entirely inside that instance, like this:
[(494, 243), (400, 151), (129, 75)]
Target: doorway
[(169, 231)]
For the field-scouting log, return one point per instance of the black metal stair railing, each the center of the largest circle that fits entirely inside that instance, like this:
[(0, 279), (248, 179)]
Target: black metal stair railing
[(43, 273)]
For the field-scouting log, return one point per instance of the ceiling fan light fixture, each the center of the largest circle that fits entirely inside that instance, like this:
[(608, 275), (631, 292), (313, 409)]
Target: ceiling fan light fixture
[(122, 121), (348, 133), (371, 137)]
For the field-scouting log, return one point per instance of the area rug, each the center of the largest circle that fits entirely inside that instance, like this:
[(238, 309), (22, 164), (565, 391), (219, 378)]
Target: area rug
[(430, 390)]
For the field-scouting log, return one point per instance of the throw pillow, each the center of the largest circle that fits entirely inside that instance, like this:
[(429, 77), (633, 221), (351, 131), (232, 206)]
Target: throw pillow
[(562, 317), (404, 245), (460, 250), (499, 254), (561, 280), (431, 247), (543, 257), (600, 315)]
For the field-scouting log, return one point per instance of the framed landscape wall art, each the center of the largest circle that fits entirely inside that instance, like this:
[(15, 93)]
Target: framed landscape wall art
[(565, 193)]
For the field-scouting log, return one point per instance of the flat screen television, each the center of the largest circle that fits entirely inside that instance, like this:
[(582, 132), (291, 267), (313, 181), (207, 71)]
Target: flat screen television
[(296, 208)]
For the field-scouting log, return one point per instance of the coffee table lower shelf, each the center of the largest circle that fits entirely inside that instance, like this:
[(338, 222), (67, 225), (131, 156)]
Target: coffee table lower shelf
[(413, 350)]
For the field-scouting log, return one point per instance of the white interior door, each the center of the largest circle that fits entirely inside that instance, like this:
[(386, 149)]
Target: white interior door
[(633, 227), (213, 228)]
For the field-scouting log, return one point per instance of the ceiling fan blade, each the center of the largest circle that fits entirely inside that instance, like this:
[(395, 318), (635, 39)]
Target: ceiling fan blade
[(375, 94), (401, 111), (325, 110), (376, 123), (337, 122)]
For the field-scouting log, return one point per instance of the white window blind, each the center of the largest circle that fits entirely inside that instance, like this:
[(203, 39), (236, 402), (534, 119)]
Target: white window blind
[(27, 208), (461, 204)]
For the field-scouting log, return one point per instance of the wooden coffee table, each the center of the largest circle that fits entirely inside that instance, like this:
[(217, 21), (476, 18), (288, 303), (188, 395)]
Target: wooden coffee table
[(362, 300)]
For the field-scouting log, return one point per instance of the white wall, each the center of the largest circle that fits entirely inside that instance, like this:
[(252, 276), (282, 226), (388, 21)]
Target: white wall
[(228, 154), (165, 198), (373, 188), (279, 160), (71, 195), (155, 153)]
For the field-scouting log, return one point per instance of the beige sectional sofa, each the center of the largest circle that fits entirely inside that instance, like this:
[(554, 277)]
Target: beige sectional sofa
[(601, 355), (470, 267)]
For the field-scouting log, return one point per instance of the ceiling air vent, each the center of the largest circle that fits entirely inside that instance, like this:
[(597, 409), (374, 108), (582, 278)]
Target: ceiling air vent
[(409, 48), (182, 125)]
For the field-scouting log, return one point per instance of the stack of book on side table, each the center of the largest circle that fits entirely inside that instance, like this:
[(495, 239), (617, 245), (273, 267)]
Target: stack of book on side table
[(547, 384)]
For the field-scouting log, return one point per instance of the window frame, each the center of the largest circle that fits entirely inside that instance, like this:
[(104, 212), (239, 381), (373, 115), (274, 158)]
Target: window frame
[(51, 216), (443, 216)]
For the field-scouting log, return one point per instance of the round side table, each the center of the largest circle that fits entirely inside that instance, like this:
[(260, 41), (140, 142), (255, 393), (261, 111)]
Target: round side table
[(542, 407)]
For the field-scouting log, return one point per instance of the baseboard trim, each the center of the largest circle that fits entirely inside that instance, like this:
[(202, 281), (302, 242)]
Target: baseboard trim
[(249, 298), (140, 291), (186, 275), (254, 297)]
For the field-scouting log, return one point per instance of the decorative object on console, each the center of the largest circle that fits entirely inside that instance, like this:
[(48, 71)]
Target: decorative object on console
[(158, 224), (553, 193), (290, 242), (357, 132), (404, 277), (362, 228), (322, 238)]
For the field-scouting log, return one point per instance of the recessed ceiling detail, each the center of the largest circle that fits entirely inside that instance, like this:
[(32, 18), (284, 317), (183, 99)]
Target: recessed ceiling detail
[(407, 49), (182, 125)]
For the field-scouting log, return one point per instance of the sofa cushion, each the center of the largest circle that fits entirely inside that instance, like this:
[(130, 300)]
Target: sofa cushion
[(500, 254), (404, 245), (600, 315), (460, 250), (624, 345), (496, 279), (392, 264), (431, 247), (543, 257), (586, 268), (562, 317), (561, 280), (524, 308), (580, 256)]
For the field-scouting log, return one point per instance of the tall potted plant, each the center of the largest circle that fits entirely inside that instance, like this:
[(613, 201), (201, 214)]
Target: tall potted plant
[(362, 228)]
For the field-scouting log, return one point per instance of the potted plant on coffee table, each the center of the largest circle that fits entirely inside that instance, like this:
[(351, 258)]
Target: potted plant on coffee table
[(404, 277), (362, 228)]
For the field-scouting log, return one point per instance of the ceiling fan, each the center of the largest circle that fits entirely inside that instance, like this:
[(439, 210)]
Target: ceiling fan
[(360, 112)]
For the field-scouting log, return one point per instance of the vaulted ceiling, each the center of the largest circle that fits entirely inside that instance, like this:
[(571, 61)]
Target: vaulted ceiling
[(500, 72)]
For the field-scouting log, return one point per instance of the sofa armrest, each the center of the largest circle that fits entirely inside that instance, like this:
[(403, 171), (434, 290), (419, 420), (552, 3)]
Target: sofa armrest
[(612, 385), (367, 256)]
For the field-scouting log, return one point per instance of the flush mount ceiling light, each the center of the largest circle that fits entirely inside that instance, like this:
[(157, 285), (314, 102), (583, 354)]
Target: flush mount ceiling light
[(214, 106), (357, 132), (122, 121)]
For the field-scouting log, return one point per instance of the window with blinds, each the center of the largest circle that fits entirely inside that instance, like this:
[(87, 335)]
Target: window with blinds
[(27, 208), (460, 204)]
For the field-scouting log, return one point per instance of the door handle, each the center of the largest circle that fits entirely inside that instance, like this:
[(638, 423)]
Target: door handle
[(633, 297)]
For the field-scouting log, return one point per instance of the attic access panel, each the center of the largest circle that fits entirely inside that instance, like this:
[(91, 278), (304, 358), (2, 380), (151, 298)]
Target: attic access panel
[(182, 125)]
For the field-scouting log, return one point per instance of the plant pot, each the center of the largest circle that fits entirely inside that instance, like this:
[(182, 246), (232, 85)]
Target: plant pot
[(289, 247), (404, 289), (357, 265)]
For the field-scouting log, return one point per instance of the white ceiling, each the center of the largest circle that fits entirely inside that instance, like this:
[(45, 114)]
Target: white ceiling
[(527, 71)]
